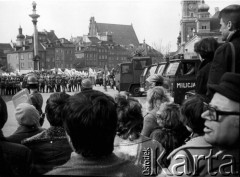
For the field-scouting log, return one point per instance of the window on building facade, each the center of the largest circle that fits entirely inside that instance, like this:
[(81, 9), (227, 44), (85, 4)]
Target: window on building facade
[(21, 57), (204, 27), (30, 56), (22, 65)]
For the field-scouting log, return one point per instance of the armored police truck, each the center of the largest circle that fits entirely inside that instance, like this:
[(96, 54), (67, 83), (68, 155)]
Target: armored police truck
[(127, 76), (181, 77)]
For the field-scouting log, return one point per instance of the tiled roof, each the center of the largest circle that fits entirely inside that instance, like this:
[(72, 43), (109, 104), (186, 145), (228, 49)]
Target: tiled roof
[(31, 47), (93, 39), (52, 36), (5, 46), (121, 34)]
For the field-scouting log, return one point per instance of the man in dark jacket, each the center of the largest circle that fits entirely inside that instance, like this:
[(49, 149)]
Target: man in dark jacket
[(90, 122), (223, 58)]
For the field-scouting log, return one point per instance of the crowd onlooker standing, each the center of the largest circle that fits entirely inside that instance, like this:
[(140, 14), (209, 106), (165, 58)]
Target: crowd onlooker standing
[(15, 159), (129, 143), (50, 148), (27, 117), (90, 121), (195, 145), (155, 98), (222, 124), (226, 58), (170, 132), (206, 49)]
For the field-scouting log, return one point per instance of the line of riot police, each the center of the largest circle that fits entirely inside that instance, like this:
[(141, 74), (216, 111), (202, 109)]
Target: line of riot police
[(10, 85)]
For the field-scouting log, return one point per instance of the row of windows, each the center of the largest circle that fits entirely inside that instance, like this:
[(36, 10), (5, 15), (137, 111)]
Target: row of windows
[(67, 51), (30, 65)]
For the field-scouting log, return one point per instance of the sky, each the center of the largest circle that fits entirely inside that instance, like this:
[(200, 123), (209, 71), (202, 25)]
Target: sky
[(155, 21)]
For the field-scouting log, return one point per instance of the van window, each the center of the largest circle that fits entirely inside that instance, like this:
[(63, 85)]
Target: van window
[(187, 69), (160, 69), (145, 71), (151, 71), (126, 69), (140, 64), (172, 68)]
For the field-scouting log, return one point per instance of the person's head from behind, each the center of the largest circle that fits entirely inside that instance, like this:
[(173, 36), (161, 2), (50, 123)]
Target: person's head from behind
[(27, 115), (130, 118), (155, 97), (191, 110), (173, 132), (3, 113), (168, 116), (229, 20), (206, 48), (86, 84), (155, 80), (54, 107), (223, 112), (90, 121)]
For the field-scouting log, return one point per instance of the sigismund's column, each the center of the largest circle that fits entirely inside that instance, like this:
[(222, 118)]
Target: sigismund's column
[(34, 17)]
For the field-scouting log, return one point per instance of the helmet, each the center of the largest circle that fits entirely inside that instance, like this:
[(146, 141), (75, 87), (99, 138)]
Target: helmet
[(32, 80)]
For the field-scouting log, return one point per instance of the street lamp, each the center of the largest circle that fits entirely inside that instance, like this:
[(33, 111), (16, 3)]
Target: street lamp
[(34, 17)]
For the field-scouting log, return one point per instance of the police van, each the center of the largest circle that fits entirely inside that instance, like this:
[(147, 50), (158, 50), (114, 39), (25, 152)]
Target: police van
[(181, 77), (159, 69)]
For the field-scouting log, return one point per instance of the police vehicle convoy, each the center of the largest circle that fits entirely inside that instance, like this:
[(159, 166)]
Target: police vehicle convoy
[(179, 77)]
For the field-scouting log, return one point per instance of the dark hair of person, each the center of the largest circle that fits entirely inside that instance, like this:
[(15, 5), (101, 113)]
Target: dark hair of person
[(170, 115), (90, 119), (130, 118), (206, 48), (169, 140), (3, 113), (32, 86), (191, 111), (54, 106), (231, 13)]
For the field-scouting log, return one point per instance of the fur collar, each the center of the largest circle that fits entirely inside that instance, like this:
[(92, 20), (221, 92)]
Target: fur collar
[(53, 133)]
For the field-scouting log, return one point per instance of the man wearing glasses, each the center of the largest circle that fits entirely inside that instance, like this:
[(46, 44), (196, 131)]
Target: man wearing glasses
[(222, 125)]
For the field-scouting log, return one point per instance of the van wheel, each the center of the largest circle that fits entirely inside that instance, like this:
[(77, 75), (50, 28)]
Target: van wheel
[(135, 91)]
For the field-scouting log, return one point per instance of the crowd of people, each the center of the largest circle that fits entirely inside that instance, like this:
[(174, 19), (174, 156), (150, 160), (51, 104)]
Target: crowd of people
[(94, 134)]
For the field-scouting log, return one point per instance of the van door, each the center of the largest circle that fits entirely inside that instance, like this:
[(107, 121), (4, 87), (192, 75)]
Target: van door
[(126, 76)]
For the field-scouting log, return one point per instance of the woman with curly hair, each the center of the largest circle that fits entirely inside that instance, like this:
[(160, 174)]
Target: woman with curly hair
[(155, 98), (171, 132), (129, 143)]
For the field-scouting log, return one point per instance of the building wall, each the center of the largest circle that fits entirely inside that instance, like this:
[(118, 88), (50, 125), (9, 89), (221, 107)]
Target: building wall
[(50, 58), (13, 60), (26, 60)]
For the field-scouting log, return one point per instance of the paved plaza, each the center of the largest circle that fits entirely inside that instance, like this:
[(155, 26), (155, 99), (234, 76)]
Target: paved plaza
[(11, 124)]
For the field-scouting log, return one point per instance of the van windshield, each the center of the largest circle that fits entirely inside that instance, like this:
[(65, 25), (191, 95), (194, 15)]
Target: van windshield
[(160, 69), (172, 69)]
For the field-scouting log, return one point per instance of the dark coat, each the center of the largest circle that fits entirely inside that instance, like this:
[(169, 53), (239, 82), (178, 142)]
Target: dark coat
[(105, 166), (50, 148), (23, 132), (15, 159), (222, 61), (202, 77)]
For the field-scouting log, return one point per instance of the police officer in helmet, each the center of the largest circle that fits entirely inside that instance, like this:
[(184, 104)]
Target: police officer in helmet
[(35, 96)]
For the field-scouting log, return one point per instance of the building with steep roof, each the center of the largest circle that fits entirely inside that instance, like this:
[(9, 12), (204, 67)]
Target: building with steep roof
[(21, 57), (196, 23), (121, 34)]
